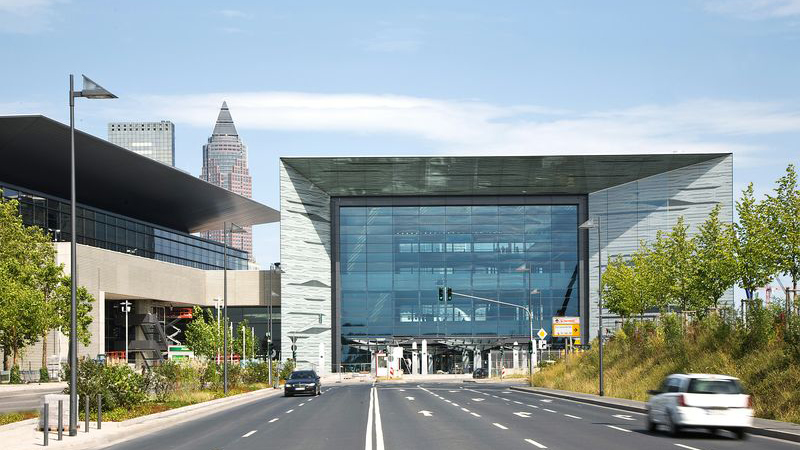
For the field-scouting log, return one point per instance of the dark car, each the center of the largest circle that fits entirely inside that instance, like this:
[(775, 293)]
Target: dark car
[(302, 382), (480, 373)]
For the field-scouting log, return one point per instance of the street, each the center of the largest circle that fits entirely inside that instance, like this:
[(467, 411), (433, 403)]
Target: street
[(18, 400), (441, 416)]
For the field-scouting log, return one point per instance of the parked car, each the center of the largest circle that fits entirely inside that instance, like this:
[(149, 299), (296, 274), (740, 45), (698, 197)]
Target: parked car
[(302, 382), (696, 400), (480, 373)]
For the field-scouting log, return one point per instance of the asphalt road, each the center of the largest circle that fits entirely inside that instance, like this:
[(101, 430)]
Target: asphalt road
[(440, 416), (25, 400)]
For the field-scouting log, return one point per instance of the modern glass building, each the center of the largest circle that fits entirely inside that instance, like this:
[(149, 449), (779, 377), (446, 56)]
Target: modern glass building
[(155, 140), (366, 242)]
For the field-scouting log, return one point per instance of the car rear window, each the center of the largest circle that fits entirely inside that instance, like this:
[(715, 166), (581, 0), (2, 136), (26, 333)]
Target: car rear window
[(296, 375), (701, 386)]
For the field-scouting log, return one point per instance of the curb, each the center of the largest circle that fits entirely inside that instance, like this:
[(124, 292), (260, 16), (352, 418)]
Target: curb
[(760, 431)]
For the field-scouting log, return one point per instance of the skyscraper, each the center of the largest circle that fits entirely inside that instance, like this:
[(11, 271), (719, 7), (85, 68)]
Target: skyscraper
[(156, 140), (225, 165)]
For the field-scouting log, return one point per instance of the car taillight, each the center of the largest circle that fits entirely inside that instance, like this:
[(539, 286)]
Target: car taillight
[(681, 400)]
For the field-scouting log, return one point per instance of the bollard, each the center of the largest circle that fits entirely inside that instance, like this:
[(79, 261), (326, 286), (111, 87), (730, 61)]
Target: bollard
[(60, 420), (46, 428), (99, 411), (86, 413)]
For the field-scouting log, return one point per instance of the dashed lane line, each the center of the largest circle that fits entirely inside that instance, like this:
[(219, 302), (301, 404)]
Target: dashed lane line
[(532, 442), (686, 447), (618, 428), (550, 410), (475, 414), (273, 420), (570, 415), (289, 411), (249, 434), (533, 406), (502, 427), (517, 402), (465, 409)]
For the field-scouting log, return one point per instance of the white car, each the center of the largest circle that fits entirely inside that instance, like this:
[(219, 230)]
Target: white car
[(698, 400)]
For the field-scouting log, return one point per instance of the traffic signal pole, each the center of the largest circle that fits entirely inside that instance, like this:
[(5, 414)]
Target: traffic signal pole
[(451, 293)]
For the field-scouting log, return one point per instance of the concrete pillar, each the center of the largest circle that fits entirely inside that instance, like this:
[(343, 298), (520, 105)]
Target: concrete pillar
[(515, 362), (424, 361), (414, 361)]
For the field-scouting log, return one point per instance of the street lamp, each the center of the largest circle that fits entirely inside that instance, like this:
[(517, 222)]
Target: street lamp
[(225, 231), (274, 267), (90, 90), (526, 268), (126, 308), (594, 222)]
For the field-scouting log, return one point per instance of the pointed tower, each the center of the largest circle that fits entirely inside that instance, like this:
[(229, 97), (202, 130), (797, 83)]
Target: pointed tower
[(225, 165)]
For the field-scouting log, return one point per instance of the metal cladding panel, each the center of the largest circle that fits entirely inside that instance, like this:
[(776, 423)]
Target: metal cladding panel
[(636, 211), (306, 263), (35, 154)]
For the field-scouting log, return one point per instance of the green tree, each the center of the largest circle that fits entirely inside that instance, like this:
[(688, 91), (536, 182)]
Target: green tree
[(716, 265), (753, 246), (674, 258), (203, 336), (238, 343), (629, 286), (783, 215)]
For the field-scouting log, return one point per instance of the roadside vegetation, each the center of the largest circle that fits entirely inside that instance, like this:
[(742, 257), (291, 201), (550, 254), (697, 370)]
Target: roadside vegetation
[(682, 278)]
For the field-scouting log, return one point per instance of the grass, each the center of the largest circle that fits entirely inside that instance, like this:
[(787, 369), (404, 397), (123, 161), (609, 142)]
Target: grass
[(638, 360), (6, 418)]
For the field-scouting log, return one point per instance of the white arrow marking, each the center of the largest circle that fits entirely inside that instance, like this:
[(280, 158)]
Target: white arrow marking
[(410, 398), (623, 417), (523, 414), (425, 413), (478, 399)]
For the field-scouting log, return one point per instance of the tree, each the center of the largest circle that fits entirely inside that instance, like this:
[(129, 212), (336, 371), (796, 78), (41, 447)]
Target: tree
[(203, 336), (628, 286), (754, 255), (673, 255), (21, 321), (715, 260), (782, 212)]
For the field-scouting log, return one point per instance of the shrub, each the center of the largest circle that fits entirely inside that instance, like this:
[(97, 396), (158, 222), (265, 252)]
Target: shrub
[(44, 375), (792, 338), (14, 376), (119, 385), (256, 373), (287, 369)]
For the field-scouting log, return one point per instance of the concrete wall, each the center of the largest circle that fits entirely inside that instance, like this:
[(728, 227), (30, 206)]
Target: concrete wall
[(636, 211), (306, 264), (108, 274)]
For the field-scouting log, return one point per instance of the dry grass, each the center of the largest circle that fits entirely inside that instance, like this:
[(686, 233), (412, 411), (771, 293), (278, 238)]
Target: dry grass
[(6, 418), (634, 364)]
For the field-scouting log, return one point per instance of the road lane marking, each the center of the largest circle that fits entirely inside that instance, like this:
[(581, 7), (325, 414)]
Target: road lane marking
[(273, 420), (301, 404), (623, 417), (249, 434), (475, 414), (456, 404), (378, 424), (452, 391), (686, 447), (517, 402), (523, 414), (532, 442), (477, 399), (546, 401), (502, 427), (570, 415), (550, 410), (507, 392), (289, 411), (533, 406), (368, 440), (425, 413), (410, 398), (618, 428), (465, 409)]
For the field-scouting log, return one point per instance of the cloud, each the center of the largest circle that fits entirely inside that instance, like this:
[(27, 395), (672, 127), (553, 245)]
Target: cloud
[(475, 127), (234, 14), (26, 16), (756, 9)]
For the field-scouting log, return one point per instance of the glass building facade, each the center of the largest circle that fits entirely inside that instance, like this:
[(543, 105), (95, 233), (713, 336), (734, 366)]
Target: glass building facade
[(110, 231), (155, 140), (391, 260)]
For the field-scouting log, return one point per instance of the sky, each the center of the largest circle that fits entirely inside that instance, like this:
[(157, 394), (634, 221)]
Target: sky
[(309, 78)]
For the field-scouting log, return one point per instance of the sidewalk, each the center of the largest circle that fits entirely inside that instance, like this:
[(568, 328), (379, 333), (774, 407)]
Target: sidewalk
[(23, 435), (764, 427)]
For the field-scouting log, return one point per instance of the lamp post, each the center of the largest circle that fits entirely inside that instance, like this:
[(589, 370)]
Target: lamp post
[(594, 222), (126, 308), (90, 90), (274, 267), (526, 268), (225, 231)]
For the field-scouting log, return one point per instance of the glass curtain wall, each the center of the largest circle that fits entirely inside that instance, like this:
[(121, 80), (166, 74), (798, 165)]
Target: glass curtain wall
[(393, 258)]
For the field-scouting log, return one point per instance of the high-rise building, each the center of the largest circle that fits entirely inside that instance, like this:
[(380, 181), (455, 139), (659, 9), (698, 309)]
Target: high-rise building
[(225, 165), (156, 140)]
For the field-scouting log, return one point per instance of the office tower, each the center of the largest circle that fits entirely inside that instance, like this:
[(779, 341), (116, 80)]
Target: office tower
[(156, 140)]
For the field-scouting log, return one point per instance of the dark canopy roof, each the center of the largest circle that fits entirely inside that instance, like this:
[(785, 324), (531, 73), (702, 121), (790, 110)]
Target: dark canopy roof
[(34, 154), (483, 175)]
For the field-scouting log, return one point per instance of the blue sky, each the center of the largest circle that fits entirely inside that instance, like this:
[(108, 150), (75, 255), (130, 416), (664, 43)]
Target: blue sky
[(421, 77)]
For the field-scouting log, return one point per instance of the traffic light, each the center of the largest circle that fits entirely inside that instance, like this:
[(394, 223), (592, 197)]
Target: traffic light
[(441, 293), (449, 294)]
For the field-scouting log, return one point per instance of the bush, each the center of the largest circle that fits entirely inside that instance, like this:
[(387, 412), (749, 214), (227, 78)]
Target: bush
[(119, 385), (287, 369), (256, 373), (44, 375), (14, 376)]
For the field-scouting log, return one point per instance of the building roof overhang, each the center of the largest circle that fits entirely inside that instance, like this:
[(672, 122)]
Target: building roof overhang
[(484, 175), (34, 154)]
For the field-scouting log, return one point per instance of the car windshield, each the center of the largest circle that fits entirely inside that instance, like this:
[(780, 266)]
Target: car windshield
[(299, 375), (701, 386)]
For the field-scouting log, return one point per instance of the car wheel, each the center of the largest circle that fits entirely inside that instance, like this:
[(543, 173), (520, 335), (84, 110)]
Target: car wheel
[(674, 429), (741, 433), (651, 426)]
